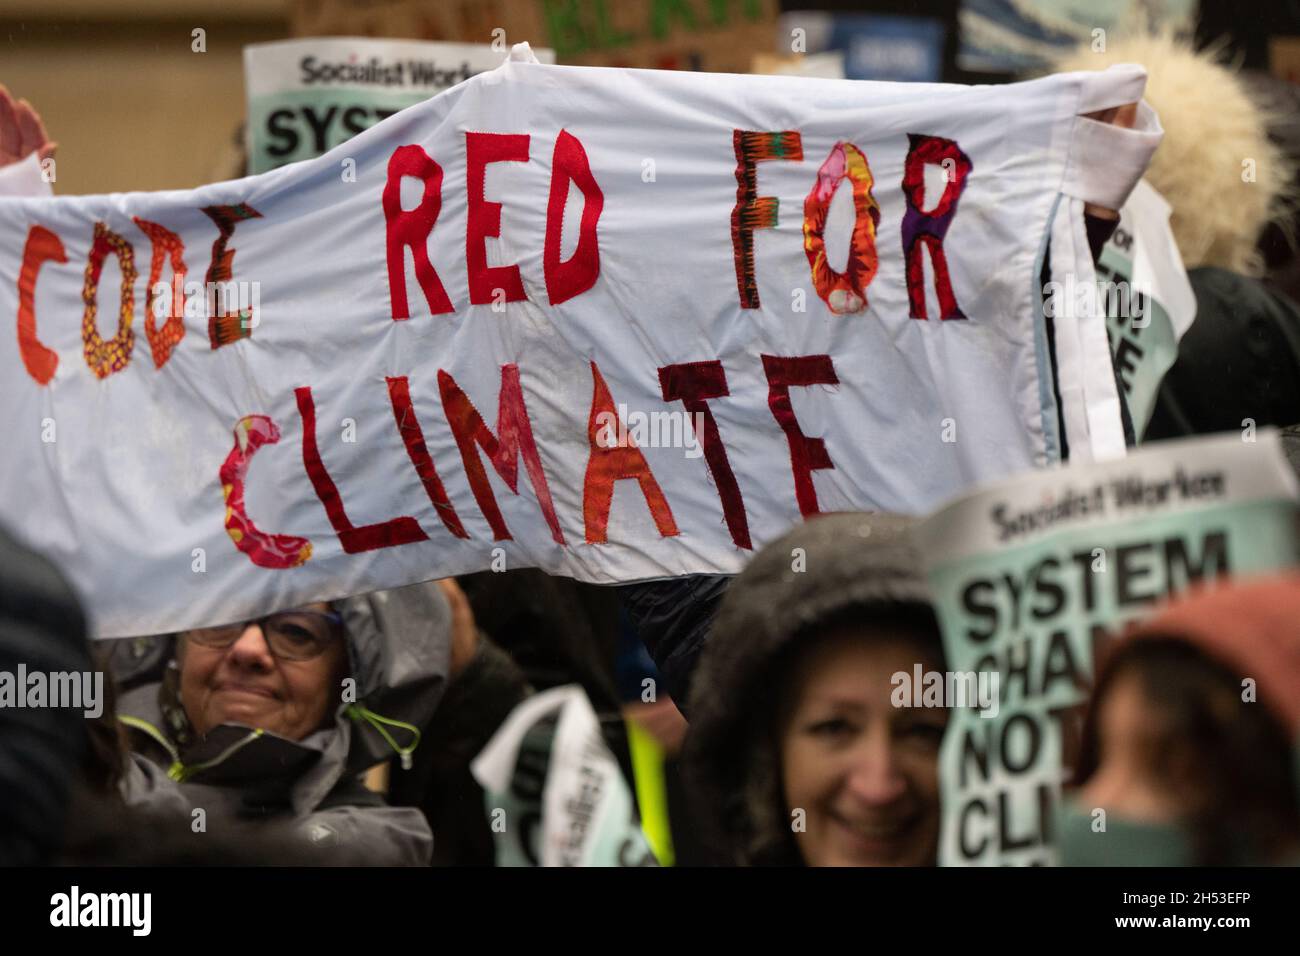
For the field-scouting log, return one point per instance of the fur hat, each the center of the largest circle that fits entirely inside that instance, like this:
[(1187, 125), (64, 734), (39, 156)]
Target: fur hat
[(1218, 169)]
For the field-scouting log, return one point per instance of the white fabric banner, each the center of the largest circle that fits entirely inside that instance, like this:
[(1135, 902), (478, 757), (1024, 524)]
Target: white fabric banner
[(25, 178), (693, 307)]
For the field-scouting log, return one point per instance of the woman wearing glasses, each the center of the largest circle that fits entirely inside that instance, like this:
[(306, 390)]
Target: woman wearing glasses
[(274, 674), (276, 718)]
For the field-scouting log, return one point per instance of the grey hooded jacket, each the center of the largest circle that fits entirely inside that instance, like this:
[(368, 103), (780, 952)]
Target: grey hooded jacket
[(399, 644)]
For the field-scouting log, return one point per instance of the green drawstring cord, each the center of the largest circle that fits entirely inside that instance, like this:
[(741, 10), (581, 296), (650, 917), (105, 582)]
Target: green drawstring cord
[(177, 768), (358, 712), (184, 773), (178, 771)]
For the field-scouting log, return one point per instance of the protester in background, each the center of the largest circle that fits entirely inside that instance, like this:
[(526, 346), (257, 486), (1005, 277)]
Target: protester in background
[(41, 748), (558, 630), (1226, 182), (275, 719), (486, 685), (1189, 744), (794, 745), (656, 731), (1279, 244), (673, 618)]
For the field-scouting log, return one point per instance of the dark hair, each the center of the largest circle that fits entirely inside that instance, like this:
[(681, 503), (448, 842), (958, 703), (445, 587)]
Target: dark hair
[(762, 833), (103, 762), (1247, 801)]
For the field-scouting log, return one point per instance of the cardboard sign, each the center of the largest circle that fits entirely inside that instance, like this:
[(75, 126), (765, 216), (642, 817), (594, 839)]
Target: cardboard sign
[(1148, 299), (1031, 575), (307, 96)]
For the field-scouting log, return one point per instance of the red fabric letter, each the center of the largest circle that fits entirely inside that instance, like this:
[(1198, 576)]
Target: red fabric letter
[(399, 393), (411, 228), (165, 244), (388, 534), (753, 211), (844, 292), (806, 454), (42, 246), (608, 465), (514, 437), (693, 383), (229, 327), (925, 230), (264, 550), (105, 358), (483, 218), (564, 280)]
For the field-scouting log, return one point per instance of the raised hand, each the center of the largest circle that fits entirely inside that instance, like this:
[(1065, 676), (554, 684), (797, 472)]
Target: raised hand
[(1123, 116), (21, 131)]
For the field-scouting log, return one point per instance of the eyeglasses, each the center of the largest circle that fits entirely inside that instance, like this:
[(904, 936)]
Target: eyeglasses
[(290, 635)]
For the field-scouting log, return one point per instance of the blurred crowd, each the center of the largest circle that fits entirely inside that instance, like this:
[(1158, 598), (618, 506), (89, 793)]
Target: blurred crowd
[(751, 716)]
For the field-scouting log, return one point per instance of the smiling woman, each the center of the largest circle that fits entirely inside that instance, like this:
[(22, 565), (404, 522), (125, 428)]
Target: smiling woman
[(278, 673), (275, 719), (799, 751), (859, 774)]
